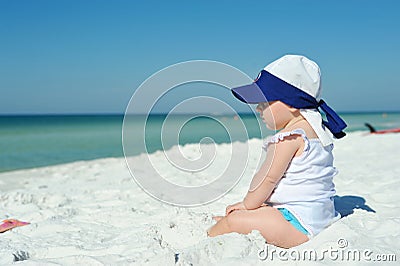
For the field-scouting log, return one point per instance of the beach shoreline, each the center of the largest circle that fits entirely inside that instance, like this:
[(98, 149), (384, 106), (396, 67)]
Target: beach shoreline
[(40, 140)]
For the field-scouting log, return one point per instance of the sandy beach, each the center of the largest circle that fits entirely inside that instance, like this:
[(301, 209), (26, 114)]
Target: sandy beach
[(94, 213)]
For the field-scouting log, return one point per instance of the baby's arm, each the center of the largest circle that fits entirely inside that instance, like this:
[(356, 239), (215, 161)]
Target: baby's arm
[(276, 162)]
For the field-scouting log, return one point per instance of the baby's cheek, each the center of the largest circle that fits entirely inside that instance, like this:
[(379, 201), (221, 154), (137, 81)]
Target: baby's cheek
[(269, 119)]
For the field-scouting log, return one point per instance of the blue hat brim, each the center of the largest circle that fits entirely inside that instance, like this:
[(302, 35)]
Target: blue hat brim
[(249, 94)]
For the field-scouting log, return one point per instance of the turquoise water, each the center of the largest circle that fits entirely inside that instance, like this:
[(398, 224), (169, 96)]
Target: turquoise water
[(33, 141)]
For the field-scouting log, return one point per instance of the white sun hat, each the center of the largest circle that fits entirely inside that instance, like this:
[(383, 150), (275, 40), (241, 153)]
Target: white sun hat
[(296, 81)]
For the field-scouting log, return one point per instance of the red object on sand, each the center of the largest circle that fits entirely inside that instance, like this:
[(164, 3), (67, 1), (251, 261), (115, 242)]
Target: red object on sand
[(393, 130), (10, 224), (374, 131)]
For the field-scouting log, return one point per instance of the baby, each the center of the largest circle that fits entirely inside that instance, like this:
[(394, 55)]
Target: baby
[(290, 198)]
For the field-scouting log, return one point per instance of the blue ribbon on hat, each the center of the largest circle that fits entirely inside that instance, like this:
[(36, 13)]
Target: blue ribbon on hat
[(335, 124), (269, 88)]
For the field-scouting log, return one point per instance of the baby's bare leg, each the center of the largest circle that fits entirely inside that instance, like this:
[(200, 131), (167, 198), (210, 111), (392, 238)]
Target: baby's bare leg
[(220, 228), (267, 220)]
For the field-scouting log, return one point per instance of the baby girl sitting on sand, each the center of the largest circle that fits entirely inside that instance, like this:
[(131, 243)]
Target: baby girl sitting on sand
[(290, 198)]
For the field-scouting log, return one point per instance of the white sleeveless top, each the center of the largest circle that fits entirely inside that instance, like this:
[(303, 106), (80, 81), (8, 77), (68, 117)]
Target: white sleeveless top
[(307, 188)]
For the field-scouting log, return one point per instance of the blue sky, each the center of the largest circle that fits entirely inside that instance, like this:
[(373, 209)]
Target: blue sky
[(90, 56)]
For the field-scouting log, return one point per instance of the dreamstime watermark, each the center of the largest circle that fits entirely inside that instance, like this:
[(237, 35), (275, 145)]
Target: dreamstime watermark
[(341, 252), (161, 176)]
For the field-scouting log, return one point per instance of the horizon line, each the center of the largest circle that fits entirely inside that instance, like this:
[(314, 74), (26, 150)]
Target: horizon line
[(162, 113)]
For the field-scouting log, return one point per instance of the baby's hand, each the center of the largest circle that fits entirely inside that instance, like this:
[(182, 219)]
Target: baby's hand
[(234, 207), (217, 218)]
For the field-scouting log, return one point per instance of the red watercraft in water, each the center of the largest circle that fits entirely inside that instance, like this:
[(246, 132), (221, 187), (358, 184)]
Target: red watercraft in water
[(373, 131)]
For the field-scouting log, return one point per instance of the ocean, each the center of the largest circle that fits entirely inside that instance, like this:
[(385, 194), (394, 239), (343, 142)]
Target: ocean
[(41, 140)]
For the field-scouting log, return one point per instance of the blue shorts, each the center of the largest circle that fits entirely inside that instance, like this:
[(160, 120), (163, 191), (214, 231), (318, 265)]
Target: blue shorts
[(293, 220)]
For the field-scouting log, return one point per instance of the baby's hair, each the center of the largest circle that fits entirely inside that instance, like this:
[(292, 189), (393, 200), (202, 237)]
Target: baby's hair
[(261, 106)]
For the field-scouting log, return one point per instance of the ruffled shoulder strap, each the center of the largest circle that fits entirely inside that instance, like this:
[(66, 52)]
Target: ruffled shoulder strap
[(282, 135)]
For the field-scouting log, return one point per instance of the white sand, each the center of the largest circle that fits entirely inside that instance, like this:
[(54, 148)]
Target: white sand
[(93, 213)]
